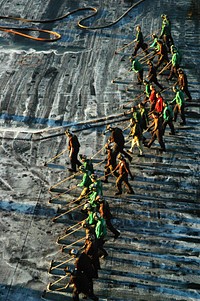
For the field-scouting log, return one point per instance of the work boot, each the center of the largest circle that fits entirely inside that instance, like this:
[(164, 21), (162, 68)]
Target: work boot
[(93, 297), (129, 151), (130, 158), (117, 235), (118, 192), (130, 192), (141, 155), (71, 170)]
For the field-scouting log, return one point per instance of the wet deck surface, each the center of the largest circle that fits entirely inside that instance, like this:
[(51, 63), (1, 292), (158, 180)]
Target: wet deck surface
[(47, 86)]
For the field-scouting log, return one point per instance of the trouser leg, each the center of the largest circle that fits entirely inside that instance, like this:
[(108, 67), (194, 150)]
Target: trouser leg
[(165, 122), (84, 192), (130, 189), (153, 138), (137, 47), (160, 140), (111, 227), (119, 183), (75, 295), (140, 146), (171, 125), (157, 83), (187, 93), (182, 109), (144, 47), (140, 76), (176, 110)]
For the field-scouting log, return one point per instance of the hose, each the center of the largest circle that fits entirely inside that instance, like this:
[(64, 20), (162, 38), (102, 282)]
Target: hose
[(56, 36)]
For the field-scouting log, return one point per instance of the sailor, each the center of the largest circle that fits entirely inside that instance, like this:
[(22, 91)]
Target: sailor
[(104, 210), (182, 83), (85, 183), (124, 171), (166, 31), (168, 118), (137, 138), (157, 132), (152, 76), (110, 164), (73, 147), (138, 69), (179, 106), (87, 163), (84, 270), (117, 138), (139, 42)]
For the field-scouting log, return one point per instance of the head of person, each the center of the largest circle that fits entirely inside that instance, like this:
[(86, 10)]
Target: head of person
[(141, 105), (152, 87), (82, 157), (133, 109), (149, 62), (99, 199), (68, 133), (173, 49), (155, 114), (138, 28), (174, 89), (107, 146), (120, 157), (93, 187), (163, 16), (133, 121), (90, 237), (93, 177), (180, 71), (73, 252), (158, 94), (87, 207), (82, 169), (145, 82), (159, 42), (96, 216), (109, 128)]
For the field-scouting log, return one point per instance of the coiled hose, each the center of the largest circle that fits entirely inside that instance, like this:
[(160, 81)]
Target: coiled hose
[(22, 31)]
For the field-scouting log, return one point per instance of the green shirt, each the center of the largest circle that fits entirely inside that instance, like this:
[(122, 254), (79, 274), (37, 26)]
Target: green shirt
[(137, 116), (167, 113), (155, 44), (136, 66), (166, 28), (88, 166), (147, 90), (86, 181), (99, 188), (100, 229), (175, 59), (179, 98), (90, 219), (139, 37)]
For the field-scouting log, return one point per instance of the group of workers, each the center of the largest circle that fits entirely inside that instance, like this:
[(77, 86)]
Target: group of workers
[(152, 114)]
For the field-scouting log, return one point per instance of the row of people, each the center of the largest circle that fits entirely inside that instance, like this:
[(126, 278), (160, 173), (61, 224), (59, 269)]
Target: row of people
[(152, 114), (97, 219), (161, 46)]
